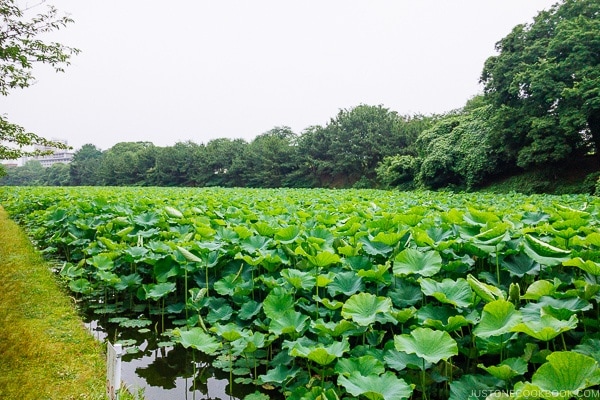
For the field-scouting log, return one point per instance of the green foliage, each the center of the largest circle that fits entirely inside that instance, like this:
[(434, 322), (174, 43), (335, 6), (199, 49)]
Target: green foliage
[(456, 150), (398, 171), (543, 85), (20, 48), (295, 287)]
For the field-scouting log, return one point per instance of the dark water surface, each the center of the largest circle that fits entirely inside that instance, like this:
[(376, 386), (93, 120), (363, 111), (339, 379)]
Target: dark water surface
[(166, 372)]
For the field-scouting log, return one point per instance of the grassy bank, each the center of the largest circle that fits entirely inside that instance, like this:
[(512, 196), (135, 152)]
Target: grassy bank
[(45, 351)]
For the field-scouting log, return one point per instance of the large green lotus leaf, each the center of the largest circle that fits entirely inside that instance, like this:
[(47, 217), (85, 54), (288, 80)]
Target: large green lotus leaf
[(249, 309), (335, 329), (566, 374), (318, 352), (588, 266), (197, 339), (473, 387), (546, 327), (229, 332), (323, 259), (257, 396), (403, 315), (480, 217), (572, 304), (347, 282), (159, 290), (487, 292), (81, 285), (389, 238), (589, 347), (248, 342), (277, 301), (101, 261), (220, 310), (374, 248), (457, 293), (376, 387), (520, 264), (492, 236), (497, 318), (593, 239), (107, 277), (378, 273), (314, 393), (288, 234), (330, 304), (165, 268), (454, 323), (255, 244), (264, 229), (129, 281), (412, 261), (405, 294), (363, 308), (365, 365), (544, 253), (507, 369), (429, 344), (400, 360), (538, 289), (280, 374), (289, 321), (436, 312), (147, 219), (534, 218), (299, 279)]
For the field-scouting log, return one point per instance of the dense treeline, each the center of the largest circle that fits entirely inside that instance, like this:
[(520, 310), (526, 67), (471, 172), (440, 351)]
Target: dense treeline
[(540, 108)]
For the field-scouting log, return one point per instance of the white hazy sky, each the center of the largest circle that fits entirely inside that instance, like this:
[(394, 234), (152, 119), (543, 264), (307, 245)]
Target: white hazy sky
[(198, 70)]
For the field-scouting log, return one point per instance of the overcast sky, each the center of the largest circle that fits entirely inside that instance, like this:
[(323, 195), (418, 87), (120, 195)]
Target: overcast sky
[(198, 70)]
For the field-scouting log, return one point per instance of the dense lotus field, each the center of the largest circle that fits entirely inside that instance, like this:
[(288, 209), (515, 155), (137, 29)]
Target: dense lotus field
[(320, 294)]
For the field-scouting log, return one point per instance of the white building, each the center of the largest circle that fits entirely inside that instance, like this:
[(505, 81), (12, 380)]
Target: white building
[(57, 156)]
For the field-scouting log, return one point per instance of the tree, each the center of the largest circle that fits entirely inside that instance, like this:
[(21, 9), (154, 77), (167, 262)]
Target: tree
[(456, 150), (175, 165), (85, 166), (362, 137), (545, 86), (218, 165), (20, 49), (269, 159), (128, 163)]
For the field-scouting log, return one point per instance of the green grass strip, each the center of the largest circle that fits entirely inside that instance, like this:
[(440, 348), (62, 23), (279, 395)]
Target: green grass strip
[(45, 351)]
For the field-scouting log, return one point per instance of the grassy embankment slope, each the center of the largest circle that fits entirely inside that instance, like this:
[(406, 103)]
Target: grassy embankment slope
[(45, 351)]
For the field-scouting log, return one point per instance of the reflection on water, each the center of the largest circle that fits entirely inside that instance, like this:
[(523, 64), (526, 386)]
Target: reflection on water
[(166, 372)]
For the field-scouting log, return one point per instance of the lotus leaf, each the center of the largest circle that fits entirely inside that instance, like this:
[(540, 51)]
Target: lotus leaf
[(363, 308), (520, 264), (544, 253), (411, 261), (376, 387), (487, 292), (565, 375), (289, 321), (507, 369), (498, 317), (365, 365), (197, 339), (546, 327), (588, 266), (429, 344), (457, 293)]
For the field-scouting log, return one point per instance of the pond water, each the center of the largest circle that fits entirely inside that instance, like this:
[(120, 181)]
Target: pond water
[(165, 371)]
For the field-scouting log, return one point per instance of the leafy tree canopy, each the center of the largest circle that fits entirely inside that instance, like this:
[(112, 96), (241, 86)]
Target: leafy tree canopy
[(545, 85), (20, 50)]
